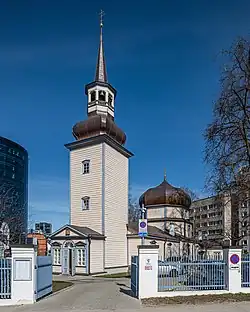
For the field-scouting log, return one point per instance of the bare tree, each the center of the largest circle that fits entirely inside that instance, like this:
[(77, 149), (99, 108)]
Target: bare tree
[(227, 150), (11, 207), (191, 193), (133, 209)]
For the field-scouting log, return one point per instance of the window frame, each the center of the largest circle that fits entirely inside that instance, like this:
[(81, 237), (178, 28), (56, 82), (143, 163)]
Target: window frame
[(81, 256), (56, 256), (86, 163), (85, 198)]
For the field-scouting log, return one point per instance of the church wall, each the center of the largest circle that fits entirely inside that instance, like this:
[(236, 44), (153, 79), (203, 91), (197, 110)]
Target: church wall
[(116, 207), (169, 212), (134, 242), (56, 269), (86, 185), (155, 213), (96, 256)]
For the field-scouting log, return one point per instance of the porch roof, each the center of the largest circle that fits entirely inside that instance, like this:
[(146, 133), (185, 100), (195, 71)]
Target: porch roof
[(78, 230)]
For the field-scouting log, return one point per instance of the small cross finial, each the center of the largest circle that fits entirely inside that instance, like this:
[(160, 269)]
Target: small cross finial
[(101, 14), (165, 174)]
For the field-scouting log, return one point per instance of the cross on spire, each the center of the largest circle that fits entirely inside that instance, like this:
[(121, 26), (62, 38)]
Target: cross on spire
[(165, 174), (101, 14)]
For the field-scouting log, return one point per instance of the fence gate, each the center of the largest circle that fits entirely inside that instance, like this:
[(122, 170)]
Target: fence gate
[(5, 278), (135, 275)]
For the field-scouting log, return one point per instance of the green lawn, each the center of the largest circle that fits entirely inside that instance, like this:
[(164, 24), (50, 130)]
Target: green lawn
[(198, 299), (58, 285)]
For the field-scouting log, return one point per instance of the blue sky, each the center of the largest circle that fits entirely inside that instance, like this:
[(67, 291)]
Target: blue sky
[(162, 57)]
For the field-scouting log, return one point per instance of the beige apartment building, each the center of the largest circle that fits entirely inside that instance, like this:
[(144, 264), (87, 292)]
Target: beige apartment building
[(220, 220)]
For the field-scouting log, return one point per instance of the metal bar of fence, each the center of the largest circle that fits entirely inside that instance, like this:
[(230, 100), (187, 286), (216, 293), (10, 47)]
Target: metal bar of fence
[(134, 275), (5, 278), (191, 274), (245, 272)]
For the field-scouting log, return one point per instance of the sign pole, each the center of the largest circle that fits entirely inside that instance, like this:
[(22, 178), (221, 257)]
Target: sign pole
[(143, 237), (143, 226)]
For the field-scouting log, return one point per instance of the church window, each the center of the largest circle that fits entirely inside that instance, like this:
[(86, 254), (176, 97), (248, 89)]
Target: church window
[(92, 96), (57, 256), (110, 99), (102, 96), (81, 257), (85, 166), (85, 203)]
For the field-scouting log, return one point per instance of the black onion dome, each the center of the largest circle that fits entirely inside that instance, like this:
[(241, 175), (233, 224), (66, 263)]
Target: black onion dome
[(165, 194), (96, 125)]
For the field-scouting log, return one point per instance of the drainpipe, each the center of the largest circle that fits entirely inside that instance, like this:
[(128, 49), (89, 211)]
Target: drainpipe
[(164, 253), (89, 240)]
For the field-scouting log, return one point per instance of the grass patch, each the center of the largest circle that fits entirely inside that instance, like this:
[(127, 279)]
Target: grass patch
[(59, 285), (117, 275), (197, 299)]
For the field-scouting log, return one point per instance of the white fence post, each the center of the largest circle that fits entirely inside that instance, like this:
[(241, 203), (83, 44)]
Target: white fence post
[(148, 271), (232, 257), (23, 274)]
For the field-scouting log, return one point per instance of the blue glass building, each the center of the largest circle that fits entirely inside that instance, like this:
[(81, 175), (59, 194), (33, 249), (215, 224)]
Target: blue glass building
[(14, 188)]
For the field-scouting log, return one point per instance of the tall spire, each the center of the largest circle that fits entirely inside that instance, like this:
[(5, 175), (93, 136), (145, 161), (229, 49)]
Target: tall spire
[(101, 73)]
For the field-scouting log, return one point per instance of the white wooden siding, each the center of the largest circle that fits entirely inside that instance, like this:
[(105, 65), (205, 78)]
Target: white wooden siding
[(133, 243), (96, 256), (57, 269), (116, 207), (86, 185)]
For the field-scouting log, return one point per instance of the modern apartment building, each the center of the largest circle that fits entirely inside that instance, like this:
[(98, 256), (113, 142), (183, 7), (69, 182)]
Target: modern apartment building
[(44, 227), (221, 219)]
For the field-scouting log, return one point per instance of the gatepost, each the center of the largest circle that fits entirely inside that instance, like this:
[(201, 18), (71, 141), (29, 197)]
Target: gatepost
[(23, 274), (148, 271), (232, 257)]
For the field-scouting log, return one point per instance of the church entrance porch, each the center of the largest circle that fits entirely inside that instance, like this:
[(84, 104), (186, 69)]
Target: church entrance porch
[(77, 250)]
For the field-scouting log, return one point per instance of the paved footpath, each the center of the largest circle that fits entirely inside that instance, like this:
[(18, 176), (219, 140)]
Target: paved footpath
[(98, 294)]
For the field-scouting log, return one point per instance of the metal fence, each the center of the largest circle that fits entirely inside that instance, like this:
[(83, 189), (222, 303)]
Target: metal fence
[(5, 278), (181, 274), (245, 271), (135, 275)]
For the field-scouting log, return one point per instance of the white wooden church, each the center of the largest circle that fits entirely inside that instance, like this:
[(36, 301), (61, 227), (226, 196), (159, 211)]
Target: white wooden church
[(98, 238)]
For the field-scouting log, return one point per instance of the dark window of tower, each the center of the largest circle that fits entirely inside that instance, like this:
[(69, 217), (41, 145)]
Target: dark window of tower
[(85, 166), (92, 96), (110, 100), (102, 96), (85, 203)]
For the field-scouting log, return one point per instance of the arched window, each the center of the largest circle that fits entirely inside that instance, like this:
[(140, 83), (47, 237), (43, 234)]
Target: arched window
[(68, 244), (92, 96), (110, 98), (102, 96)]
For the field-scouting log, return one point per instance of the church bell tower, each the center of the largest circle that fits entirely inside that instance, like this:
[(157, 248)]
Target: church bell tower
[(99, 170)]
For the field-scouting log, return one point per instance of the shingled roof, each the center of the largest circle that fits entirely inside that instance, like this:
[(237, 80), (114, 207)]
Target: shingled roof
[(153, 232)]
